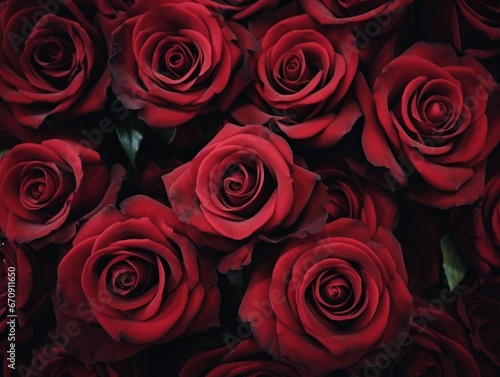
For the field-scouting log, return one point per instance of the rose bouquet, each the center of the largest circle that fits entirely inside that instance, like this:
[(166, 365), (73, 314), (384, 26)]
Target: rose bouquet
[(249, 188)]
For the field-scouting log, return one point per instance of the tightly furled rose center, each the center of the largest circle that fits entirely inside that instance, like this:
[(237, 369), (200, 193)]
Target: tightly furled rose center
[(131, 277), (42, 186), (181, 60), (308, 67), (335, 297), (244, 186), (433, 109)]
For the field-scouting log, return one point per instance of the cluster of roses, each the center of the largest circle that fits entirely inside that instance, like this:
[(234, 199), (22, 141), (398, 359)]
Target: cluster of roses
[(242, 188)]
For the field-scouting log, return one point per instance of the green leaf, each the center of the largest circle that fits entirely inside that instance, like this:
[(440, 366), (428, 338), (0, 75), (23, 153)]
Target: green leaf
[(168, 134), (453, 265), (3, 151), (130, 133)]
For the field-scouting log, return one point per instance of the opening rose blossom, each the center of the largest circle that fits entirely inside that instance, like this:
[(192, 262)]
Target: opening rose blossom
[(303, 74), (176, 60), (330, 298), (47, 189), (430, 120), (52, 61), (133, 274), (242, 187)]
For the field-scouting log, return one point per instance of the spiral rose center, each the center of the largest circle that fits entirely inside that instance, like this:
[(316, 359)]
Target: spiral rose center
[(132, 277), (294, 72), (437, 112), (335, 297), (178, 60)]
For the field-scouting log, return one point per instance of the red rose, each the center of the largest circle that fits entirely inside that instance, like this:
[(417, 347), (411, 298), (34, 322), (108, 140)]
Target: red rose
[(48, 189), (246, 359), (353, 197), (478, 308), (431, 122), (303, 73), (239, 9), (52, 61), (132, 273), (329, 298), (242, 187), (435, 345), (176, 60), (476, 229)]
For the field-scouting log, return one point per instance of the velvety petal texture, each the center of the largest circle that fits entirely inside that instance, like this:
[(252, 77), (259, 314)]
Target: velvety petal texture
[(429, 121), (47, 189), (141, 279), (244, 185), (303, 75), (52, 61), (176, 60), (330, 298)]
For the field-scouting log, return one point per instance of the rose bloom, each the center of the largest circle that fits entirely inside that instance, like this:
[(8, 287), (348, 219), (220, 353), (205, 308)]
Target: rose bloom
[(476, 228), (176, 60), (430, 119), (303, 74), (137, 276), (52, 61), (48, 189), (242, 187), (330, 298), (478, 308), (246, 359)]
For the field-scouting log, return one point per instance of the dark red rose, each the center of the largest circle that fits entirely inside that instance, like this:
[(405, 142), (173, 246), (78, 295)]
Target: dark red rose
[(478, 308), (242, 187), (246, 359), (52, 60), (430, 120), (177, 60), (303, 73), (435, 345), (419, 231), (48, 189), (476, 229), (134, 274), (239, 9), (353, 197), (329, 298)]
